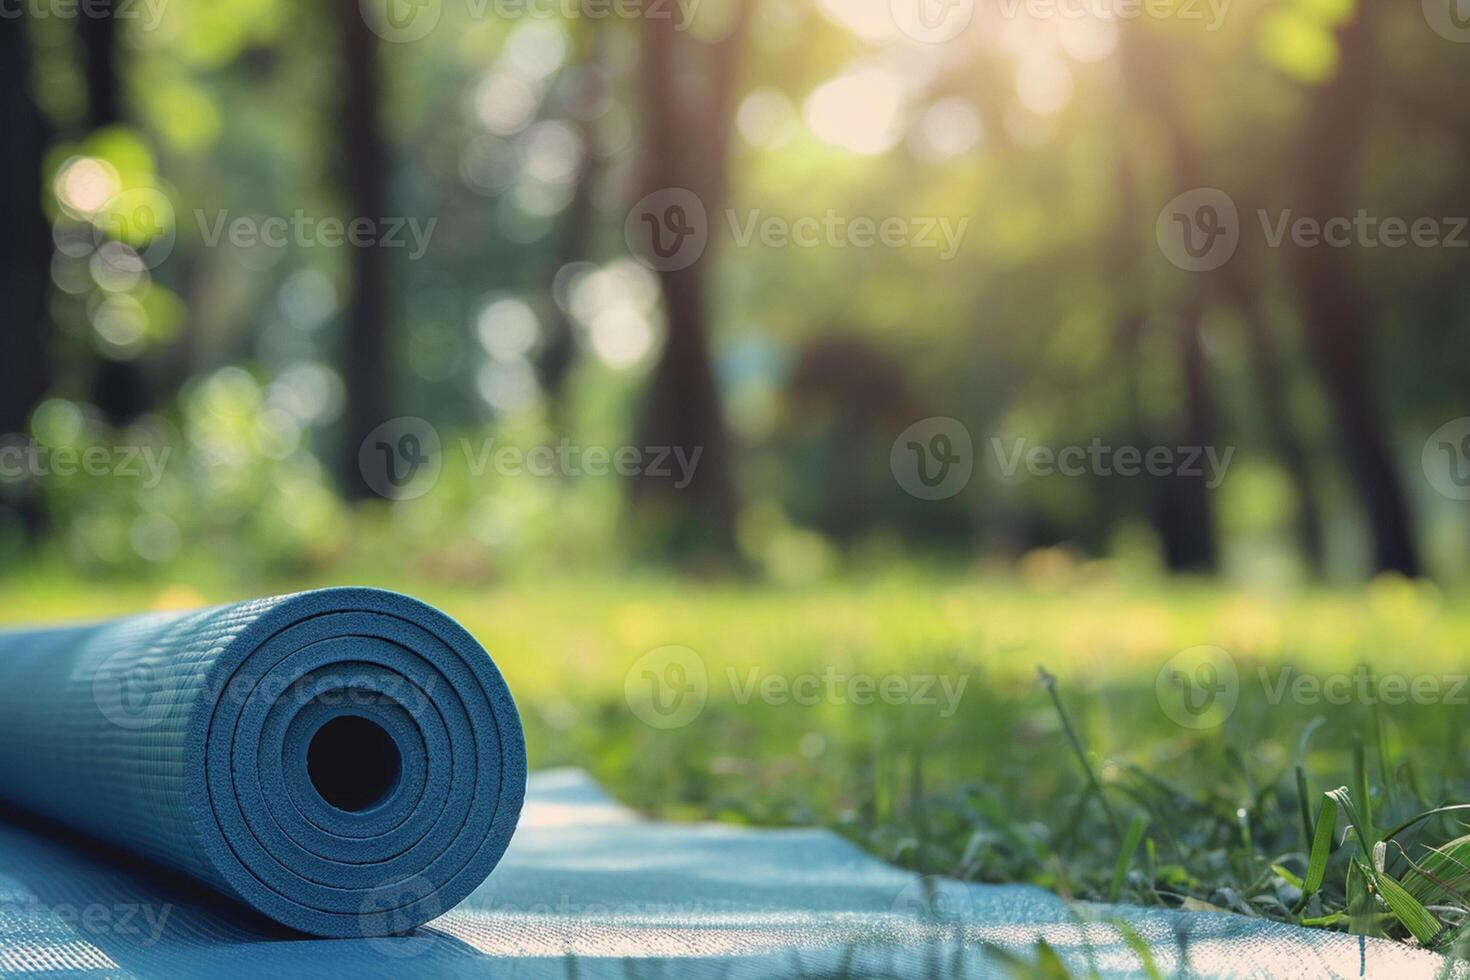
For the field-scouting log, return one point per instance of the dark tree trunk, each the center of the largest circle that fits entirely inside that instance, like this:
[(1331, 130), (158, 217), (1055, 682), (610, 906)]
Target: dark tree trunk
[(364, 164), (687, 127), (1270, 376), (25, 248), (97, 28), (119, 388), (1335, 306), (1183, 513), (578, 223)]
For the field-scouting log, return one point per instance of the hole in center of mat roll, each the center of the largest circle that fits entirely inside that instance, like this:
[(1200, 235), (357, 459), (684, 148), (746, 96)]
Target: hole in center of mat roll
[(353, 763)]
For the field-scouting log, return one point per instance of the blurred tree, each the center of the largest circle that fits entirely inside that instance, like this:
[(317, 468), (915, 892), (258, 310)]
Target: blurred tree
[(363, 166), (1240, 284), (97, 30), (579, 220), (25, 248), (848, 400), (1182, 509), (119, 387), (1335, 306), (687, 121)]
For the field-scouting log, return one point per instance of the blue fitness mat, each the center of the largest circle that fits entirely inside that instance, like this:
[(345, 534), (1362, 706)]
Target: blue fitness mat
[(201, 794), (587, 890), (348, 762)]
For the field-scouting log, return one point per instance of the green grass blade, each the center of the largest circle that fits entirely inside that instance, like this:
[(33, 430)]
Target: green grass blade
[(1360, 787), (1344, 801), (1125, 855), (1425, 816), (1406, 908), (1304, 798), (1288, 876), (1321, 843), (1443, 874), (1049, 681), (1139, 946)]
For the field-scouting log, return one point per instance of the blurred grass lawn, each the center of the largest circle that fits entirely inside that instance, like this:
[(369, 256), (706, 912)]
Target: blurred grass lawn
[(993, 791)]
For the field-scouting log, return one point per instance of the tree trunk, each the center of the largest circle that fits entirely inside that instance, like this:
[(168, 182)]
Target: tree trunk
[(25, 249), (118, 388), (1270, 376), (97, 29), (1183, 513), (363, 166), (686, 129), (1334, 305), (578, 224)]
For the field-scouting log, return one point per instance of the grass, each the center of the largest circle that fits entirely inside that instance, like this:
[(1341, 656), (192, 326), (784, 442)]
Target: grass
[(1329, 796)]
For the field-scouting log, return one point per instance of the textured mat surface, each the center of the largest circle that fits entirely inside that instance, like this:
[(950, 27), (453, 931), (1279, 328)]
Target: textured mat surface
[(211, 742), (588, 891)]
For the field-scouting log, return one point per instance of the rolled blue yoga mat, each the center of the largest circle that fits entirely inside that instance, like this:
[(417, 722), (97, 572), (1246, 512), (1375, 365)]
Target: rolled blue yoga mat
[(348, 762)]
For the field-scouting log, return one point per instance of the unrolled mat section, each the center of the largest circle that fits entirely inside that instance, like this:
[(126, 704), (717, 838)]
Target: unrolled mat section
[(348, 762)]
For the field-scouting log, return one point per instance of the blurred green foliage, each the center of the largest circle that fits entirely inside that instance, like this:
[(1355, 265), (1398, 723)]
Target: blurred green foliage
[(1023, 132)]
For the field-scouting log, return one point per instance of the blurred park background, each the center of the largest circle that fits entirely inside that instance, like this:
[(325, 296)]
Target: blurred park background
[(174, 278), (957, 336)]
